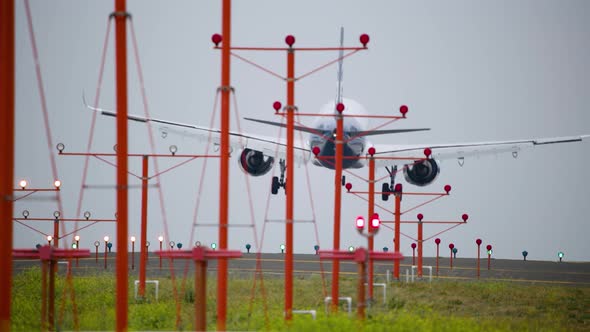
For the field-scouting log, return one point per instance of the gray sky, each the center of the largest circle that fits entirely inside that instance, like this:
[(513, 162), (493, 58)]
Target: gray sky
[(471, 71)]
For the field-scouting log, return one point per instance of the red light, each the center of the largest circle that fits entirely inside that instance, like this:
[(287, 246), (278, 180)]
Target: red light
[(451, 246), (364, 38), (371, 151), (398, 187), (427, 152), (478, 242), (375, 221), (437, 241), (413, 246), (448, 188), (420, 216), (348, 186), (489, 247), (403, 110), (340, 107), (316, 150), (465, 216), (277, 105), (360, 223), (290, 40), (216, 39)]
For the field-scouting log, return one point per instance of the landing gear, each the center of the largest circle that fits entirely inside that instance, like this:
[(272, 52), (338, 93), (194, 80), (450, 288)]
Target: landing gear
[(343, 180), (279, 182), (388, 189)]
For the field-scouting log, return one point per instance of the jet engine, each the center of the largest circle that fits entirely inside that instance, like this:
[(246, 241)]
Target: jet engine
[(255, 162), (421, 173)]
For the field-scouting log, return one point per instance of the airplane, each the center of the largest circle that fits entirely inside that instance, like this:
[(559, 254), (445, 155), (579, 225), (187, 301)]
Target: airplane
[(258, 153)]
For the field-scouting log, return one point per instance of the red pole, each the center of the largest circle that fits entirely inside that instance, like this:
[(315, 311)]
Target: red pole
[(96, 254), (7, 156), (437, 254), (413, 255), (44, 271), (290, 183), (160, 256), (143, 237), (371, 212), (122, 168), (337, 206), (478, 242), (398, 201), (56, 233), (360, 291), (489, 258), (133, 255), (77, 248), (200, 295), (51, 297), (105, 254), (224, 163), (420, 237), (451, 258)]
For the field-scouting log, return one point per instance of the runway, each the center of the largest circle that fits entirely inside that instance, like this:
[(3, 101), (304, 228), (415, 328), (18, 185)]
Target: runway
[(272, 265)]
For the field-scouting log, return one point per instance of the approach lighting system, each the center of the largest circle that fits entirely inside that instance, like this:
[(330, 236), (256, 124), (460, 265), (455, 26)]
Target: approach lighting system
[(371, 151), (375, 222), (77, 238), (106, 239), (413, 245), (198, 244), (23, 184), (171, 244), (49, 238), (96, 243), (398, 188), (74, 246), (316, 248), (248, 247), (290, 40), (57, 184), (25, 214), (173, 149), (213, 245), (87, 215), (160, 238), (448, 188), (465, 216), (478, 242), (348, 185), (282, 248), (110, 245), (403, 110), (524, 254), (147, 244), (437, 241), (216, 39), (455, 252), (489, 249), (277, 106), (132, 239), (316, 150), (385, 249), (60, 147), (351, 248), (360, 223), (56, 214), (340, 108), (179, 245), (560, 255), (364, 39)]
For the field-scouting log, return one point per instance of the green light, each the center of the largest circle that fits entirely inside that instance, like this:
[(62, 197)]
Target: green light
[(213, 245), (351, 248), (73, 246), (282, 247), (560, 254), (490, 252)]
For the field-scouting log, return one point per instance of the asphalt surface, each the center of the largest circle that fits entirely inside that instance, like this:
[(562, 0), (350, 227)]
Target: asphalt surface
[(559, 273)]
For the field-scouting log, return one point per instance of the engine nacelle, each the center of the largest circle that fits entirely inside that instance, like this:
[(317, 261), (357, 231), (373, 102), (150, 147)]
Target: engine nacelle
[(255, 162), (421, 173)]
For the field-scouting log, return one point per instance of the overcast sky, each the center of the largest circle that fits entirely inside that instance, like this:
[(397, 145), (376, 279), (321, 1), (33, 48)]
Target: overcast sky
[(470, 70)]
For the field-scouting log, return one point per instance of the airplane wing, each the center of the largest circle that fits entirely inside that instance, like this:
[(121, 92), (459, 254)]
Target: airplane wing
[(269, 146), (462, 150)]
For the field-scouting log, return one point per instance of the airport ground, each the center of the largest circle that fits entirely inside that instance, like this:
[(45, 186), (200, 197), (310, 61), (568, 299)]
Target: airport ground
[(558, 273)]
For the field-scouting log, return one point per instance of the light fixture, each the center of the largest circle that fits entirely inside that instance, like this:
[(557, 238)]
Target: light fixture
[(56, 214), (106, 239), (57, 184), (26, 213), (23, 184), (133, 239), (173, 149), (87, 215)]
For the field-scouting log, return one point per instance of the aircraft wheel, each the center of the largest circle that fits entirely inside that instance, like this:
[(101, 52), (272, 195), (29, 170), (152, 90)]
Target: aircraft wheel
[(275, 185), (385, 191)]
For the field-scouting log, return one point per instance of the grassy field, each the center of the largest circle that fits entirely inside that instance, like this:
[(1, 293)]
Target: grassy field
[(440, 305)]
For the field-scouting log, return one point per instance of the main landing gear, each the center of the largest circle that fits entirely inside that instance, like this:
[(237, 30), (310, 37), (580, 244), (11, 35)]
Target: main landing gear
[(276, 182), (388, 189)]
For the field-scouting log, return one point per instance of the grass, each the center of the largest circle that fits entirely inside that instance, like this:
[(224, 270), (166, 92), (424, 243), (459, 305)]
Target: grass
[(442, 306)]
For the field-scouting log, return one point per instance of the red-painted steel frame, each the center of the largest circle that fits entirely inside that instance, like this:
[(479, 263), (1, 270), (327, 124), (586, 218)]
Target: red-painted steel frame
[(371, 211), (7, 157), (420, 252), (154, 155), (337, 207), (396, 237), (200, 255), (48, 254), (437, 254), (478, 252), (290, 184), (224, 163), (143, 237), (122, 166), (294, 48)]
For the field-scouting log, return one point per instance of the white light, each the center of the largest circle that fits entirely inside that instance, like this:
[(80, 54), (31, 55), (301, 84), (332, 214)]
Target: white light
[(23, 184), (133, 239), (49, 238), (106, 239), (375, 222), (57, 184), (77, 237), (160, 238)]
